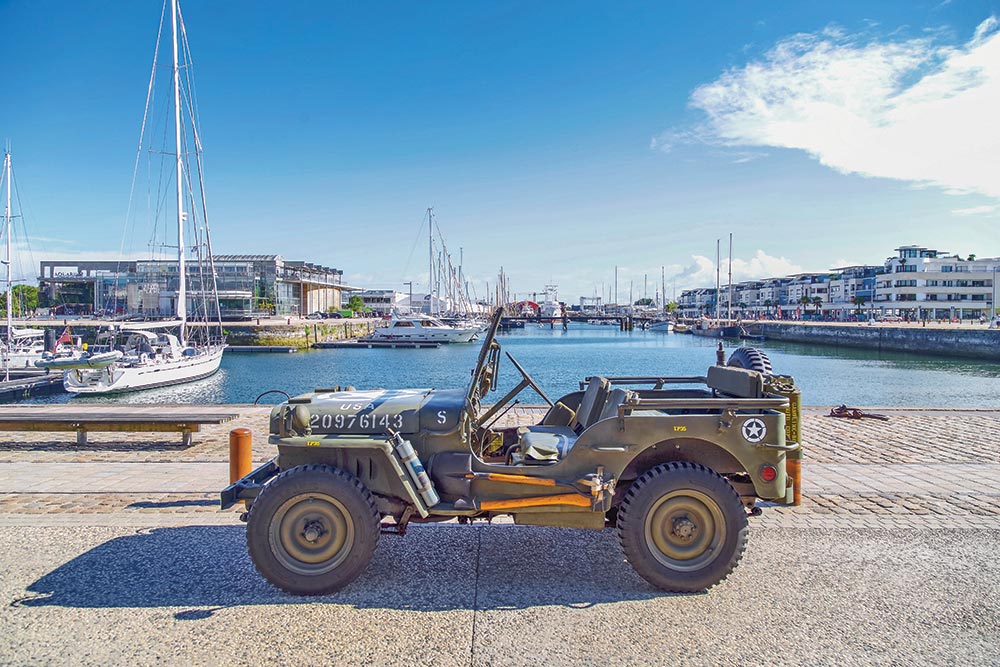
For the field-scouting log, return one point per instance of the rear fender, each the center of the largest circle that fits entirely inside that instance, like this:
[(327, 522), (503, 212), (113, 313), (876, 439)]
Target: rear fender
[(715, 458)]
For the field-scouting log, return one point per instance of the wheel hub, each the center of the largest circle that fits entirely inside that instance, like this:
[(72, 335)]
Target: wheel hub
[(684, 529), (312, 531)]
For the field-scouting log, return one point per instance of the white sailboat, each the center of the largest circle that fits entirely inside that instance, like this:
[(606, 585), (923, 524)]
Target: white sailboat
[(152, 357), (21, 347)]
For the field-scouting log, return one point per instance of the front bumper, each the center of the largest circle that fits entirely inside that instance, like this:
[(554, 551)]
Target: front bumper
[(248, 487)]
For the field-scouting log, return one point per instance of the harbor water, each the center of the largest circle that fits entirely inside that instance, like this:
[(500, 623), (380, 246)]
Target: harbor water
[(559, 359)]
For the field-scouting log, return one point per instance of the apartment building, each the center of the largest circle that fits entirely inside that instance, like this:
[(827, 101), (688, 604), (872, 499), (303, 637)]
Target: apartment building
[(916, 283)]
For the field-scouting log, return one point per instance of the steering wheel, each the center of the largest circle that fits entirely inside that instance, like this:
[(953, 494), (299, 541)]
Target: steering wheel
[(528, 379)]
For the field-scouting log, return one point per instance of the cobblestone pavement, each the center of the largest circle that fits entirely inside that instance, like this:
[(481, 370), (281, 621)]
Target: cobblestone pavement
[(922, 467)]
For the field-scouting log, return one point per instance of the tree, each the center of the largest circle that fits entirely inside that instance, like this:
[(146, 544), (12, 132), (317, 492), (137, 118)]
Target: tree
[(672, 306), (645, 301), (859, 301), (972, 258), (818, 302), (25, 300), (356, 303)]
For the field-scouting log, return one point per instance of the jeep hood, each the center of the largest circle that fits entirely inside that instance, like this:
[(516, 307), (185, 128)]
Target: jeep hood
[(377, 411)]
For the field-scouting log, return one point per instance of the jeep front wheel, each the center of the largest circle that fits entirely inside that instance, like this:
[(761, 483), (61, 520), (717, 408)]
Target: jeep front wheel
[(312, 530), (682, 527)]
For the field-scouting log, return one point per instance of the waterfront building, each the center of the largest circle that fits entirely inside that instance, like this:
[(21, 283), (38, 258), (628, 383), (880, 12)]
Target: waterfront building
[(923, 283), (384, 301), (916, 283), (851, 293), (248, 286)]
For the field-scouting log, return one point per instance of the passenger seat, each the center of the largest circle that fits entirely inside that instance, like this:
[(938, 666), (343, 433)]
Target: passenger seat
[(551, 443)]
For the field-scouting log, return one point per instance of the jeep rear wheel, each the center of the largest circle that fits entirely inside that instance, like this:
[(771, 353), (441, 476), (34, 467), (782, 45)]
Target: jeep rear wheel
[(312, 530), (682, 527)]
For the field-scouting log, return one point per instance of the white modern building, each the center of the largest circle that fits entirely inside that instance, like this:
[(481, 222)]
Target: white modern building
[(923, 283), (917, 283)]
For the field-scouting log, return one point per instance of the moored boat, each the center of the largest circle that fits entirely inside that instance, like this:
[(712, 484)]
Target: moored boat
[(422, 328), (662, 326), (151, 357)]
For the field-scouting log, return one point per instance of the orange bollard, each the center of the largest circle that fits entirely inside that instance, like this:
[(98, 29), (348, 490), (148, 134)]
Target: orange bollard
[(793, 468), (240, 453)]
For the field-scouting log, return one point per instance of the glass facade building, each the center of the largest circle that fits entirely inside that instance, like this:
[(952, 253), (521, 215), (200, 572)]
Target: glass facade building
[(248, 286)]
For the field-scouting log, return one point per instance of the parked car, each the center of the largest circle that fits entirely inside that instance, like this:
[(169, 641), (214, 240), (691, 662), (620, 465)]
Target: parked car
[(334, 316), (315, 316)]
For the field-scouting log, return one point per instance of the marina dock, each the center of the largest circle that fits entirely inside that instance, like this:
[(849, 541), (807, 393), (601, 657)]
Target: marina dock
[(27, 387), (371, 344)]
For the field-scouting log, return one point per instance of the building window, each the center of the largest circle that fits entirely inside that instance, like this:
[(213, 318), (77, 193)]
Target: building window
[(947, 269)]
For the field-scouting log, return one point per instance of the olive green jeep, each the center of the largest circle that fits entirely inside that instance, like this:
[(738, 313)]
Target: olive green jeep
[(674, 464)]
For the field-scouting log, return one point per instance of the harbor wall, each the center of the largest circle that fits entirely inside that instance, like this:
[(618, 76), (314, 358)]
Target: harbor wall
[(302, 334), (952, 342)]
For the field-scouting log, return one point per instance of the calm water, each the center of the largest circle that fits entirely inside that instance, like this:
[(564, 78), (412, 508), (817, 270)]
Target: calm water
[(559, 359)]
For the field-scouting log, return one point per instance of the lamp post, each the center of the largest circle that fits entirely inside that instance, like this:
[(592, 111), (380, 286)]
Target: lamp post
[(409, 303), (993, 302)]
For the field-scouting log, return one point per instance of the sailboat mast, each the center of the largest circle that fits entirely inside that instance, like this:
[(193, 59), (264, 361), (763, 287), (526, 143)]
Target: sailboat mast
[(181, 269), (430, 260), (6, 220), (729, 306), (718, 302)]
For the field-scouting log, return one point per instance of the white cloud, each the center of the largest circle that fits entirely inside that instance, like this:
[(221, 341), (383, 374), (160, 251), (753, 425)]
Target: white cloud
[(701, 272), (975, 210), (912, 110)]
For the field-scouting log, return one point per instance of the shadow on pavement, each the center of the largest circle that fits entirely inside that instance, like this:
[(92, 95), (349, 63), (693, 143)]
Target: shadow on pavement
[(152, 504), (70, 445), (432, 568)]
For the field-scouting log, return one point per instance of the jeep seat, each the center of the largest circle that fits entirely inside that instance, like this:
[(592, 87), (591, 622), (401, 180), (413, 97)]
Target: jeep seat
[(551, 443), (544, 443)]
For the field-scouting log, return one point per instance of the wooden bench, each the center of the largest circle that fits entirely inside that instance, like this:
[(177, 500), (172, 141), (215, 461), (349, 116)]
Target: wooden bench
[(183, 419)]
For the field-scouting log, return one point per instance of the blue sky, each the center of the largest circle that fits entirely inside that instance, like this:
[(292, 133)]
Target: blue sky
[(554, 139)]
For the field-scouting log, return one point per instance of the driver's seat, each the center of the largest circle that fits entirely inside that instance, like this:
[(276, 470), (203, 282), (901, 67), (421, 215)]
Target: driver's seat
[(550, 443)]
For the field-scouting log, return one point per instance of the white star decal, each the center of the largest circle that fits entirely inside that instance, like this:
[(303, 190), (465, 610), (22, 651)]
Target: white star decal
[(754, 430)]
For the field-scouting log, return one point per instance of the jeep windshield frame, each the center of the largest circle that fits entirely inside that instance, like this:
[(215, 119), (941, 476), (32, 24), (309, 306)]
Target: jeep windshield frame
[(490, 344)]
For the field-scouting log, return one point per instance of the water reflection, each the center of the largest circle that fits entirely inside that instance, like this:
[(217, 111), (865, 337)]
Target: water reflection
[(559, 359)]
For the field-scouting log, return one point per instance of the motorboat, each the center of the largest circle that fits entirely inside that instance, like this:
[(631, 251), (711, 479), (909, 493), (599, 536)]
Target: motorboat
[(422, 329), (663, 326), (86, 359)]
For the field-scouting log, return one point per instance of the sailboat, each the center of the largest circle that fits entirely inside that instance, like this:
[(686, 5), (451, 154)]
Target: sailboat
[(22, 347), (152, 357), (429, 328)]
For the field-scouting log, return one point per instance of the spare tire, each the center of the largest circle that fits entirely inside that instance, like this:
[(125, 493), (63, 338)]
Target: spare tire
[(750, 358)]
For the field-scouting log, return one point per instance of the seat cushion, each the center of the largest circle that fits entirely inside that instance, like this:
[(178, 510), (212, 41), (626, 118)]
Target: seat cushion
[(591, 404), (546, 443), (615, 398)]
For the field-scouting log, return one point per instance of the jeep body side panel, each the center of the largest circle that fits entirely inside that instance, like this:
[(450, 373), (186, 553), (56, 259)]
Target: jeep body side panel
[(370, 459), (619, 445)]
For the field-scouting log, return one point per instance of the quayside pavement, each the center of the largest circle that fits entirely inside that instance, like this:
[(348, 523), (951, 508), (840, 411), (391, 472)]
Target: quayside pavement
[(114, 552)]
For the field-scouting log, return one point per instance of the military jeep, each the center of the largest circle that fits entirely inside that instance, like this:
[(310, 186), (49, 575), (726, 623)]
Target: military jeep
[(674, 464)]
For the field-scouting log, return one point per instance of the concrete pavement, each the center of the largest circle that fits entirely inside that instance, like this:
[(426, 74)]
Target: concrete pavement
[(116, 553)]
